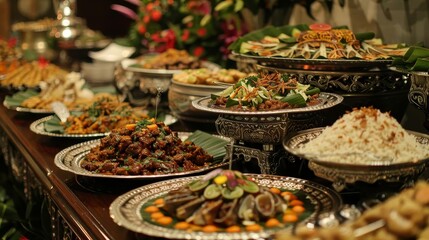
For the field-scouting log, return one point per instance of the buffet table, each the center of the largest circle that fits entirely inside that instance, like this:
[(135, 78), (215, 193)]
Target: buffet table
[(78, 207), (75, 212)]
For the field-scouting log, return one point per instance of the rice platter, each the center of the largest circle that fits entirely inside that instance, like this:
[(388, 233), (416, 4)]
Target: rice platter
[(365, 136)]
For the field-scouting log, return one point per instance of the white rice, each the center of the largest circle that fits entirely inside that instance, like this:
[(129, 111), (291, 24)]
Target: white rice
[(365, 136)]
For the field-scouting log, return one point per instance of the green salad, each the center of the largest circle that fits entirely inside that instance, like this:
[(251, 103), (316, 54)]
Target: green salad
[(267, 91)]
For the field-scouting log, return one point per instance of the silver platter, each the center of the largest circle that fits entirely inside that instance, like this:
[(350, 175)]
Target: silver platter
[(39, 128), (319, 64), (70, 160), (27, 110), (159, 72), (328, 100), (125, 210), (343, 173)]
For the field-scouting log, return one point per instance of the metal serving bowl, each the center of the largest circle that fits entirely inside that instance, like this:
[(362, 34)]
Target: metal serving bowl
[(181, 95), (264, 127), (341, 174), (379, 87), (142, 86)]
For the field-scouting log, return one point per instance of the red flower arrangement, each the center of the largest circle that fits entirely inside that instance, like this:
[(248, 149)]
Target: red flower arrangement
[(204, 28)]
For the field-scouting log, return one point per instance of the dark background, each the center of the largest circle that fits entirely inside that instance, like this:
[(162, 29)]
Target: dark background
[(97, 13)]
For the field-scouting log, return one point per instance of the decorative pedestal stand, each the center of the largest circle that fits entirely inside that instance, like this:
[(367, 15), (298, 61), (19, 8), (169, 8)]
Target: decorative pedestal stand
[(419, 92), (261, 136)]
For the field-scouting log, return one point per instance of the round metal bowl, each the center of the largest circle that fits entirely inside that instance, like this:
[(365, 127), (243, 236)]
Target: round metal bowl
[(181, 95), (264, 127), (316, 64), (382, 88), (142, 86), (341, 174)]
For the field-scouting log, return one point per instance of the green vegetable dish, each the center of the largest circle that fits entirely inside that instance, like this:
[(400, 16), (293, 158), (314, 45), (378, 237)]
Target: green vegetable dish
[(227, 201), (267, 91)]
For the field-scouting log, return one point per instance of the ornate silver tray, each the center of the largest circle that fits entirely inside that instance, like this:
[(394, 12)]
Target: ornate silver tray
[(27, 110), (125, 210), (319, 64), (131, 66), (39, 128), (343, 173), (69, 159), (328, 100)]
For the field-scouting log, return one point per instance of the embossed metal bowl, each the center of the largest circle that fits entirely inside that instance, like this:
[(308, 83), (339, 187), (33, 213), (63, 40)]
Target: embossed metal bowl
[(262, 127), (142, 86), (381, 88), (341, 174), (315, 64), (181, 95)]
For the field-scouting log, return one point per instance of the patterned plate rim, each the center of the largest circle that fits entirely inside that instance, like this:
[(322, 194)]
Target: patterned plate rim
[(26, 110), (37, 127), (125, 209), (329, 100), (69, 158), (332, 62), (290, 143)]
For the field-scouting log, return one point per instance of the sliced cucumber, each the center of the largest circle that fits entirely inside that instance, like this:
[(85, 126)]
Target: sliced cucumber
[(312, 91), (295, 100), (231, 102), (250, 187), (212, 191), (232, 194), (198, 185)]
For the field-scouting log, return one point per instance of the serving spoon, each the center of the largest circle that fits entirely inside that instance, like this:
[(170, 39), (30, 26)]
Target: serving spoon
[(60, 110)]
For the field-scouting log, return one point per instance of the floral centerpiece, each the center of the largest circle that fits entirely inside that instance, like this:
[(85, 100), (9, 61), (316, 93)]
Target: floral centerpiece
[(204, 28)]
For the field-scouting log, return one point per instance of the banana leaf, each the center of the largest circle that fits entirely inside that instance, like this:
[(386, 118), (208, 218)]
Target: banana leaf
[(415, 59), (215, 146), (53, 125), (16, 99), (421, 64), (266, 31), (364, 36), (415, 53)]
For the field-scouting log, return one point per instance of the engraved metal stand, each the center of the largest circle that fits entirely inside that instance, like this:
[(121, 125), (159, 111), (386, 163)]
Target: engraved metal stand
[(419, 93), (259, 138)]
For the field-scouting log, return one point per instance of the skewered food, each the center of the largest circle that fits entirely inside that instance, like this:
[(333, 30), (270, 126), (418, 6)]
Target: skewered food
[(31, 75), (208, 77), (225, 201), (267, 91), (145, 148)]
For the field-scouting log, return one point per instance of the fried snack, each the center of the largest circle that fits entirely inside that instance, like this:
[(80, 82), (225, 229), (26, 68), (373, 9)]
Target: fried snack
[(144, 148), (103, 116), (172, 59), (32, 74), (404, 216), (208, 77)]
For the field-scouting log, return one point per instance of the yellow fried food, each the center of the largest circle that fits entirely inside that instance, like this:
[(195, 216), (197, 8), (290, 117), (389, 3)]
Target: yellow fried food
[(208, 77)]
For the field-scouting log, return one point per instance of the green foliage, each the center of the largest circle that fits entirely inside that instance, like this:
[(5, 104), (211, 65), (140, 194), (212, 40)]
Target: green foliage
[(21, 219)]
